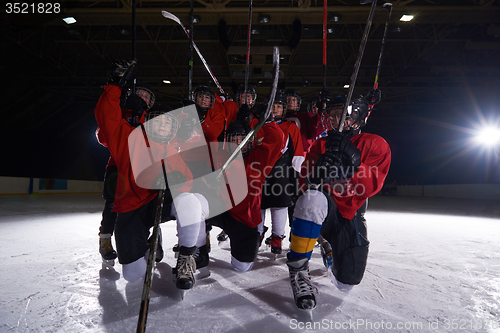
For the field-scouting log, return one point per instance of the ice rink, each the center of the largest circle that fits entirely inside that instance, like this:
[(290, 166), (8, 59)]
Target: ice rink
[(434, 266)]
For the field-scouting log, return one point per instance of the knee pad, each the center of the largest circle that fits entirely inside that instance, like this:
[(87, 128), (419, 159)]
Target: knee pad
[(241, 266), (312, 206), (135, 270), (187, 209)]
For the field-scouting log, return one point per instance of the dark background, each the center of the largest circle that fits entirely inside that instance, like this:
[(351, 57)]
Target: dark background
[(440, 76)]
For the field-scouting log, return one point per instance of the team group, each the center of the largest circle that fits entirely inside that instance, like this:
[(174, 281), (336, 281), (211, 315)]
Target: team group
[(327, 165)]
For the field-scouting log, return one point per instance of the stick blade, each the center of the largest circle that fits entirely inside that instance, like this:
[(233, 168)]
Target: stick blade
[(170, 16), (387, 6)]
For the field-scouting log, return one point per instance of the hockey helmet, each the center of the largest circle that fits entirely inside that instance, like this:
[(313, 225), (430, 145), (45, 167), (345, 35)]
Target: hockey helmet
[(293, 100), (279, 105), (204, 97), (161, 124), (146, 94), (251, 95), (357, 112), (235, 133)]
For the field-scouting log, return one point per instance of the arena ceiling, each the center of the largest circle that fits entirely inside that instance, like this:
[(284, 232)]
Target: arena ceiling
[(447, 43)]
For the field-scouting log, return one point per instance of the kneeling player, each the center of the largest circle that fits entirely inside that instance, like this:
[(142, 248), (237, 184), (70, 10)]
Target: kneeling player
[(343, 169)]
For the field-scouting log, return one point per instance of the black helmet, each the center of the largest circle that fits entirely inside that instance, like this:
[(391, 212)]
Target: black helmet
[(280, 98), (358, 110), (161, 125), (290, 93), (241, 91), (207, 91), (235, 133)]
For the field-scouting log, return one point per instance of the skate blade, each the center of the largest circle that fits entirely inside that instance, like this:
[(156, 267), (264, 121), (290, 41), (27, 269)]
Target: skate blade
[(274, 256), (202, 273), (183, 293), (224, 242), (109, 262), (309, 313)]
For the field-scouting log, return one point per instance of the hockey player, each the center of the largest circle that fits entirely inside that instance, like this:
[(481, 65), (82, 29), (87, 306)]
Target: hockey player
[(245, 101), (211, 116), (136, 205), (301, 119), (247, 98), (107, 226), (240, 222), (342, 171), (279, 187), (319, 122)]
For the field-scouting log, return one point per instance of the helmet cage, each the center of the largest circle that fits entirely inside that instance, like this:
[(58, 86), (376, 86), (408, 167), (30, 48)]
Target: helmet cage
[(292, 93), (161, 126), (204, 91), (151, 96), (250, 91)]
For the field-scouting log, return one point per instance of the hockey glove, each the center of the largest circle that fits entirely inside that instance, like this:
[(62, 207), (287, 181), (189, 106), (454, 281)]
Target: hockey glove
[(260, 110), (186, 128), (373, 97), (340, 144), (136, 104), (243, 112), (175, 178), (123, 73), (326, 169)]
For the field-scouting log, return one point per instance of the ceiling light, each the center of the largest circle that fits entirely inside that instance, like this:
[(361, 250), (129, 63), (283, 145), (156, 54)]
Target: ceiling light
[(406, 18), (167, 81), (196, 19), (330, 30), (334, 17), (69, 20), (255, 32), (264, 18), (346, 86)]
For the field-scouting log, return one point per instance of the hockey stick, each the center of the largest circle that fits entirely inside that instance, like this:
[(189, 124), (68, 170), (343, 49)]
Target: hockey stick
[(191, 60), (176, 19), (148, 277), (324, 41), (247, 73), (357, 64), (264, 117), (387, 6)]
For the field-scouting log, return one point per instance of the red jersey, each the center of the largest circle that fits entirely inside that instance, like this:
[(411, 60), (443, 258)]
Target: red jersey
[(318, 124), (292, 132), (115, 132), (231, 108), (214, 120), (301, 119), (369, 179), (268, 143)]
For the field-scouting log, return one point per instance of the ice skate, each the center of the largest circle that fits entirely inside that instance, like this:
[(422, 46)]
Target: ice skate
[(159, 248), (176, 251), (326, 252), (201, 258), (184, 270), (106, 250), (222, 237), (275, 244), (262, 236), (304, 291)]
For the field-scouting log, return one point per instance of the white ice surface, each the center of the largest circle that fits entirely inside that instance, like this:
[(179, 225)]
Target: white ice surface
[(427, 272)]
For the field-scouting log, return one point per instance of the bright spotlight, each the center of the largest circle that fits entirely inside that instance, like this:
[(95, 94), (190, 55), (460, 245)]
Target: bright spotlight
[(489, 136)]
